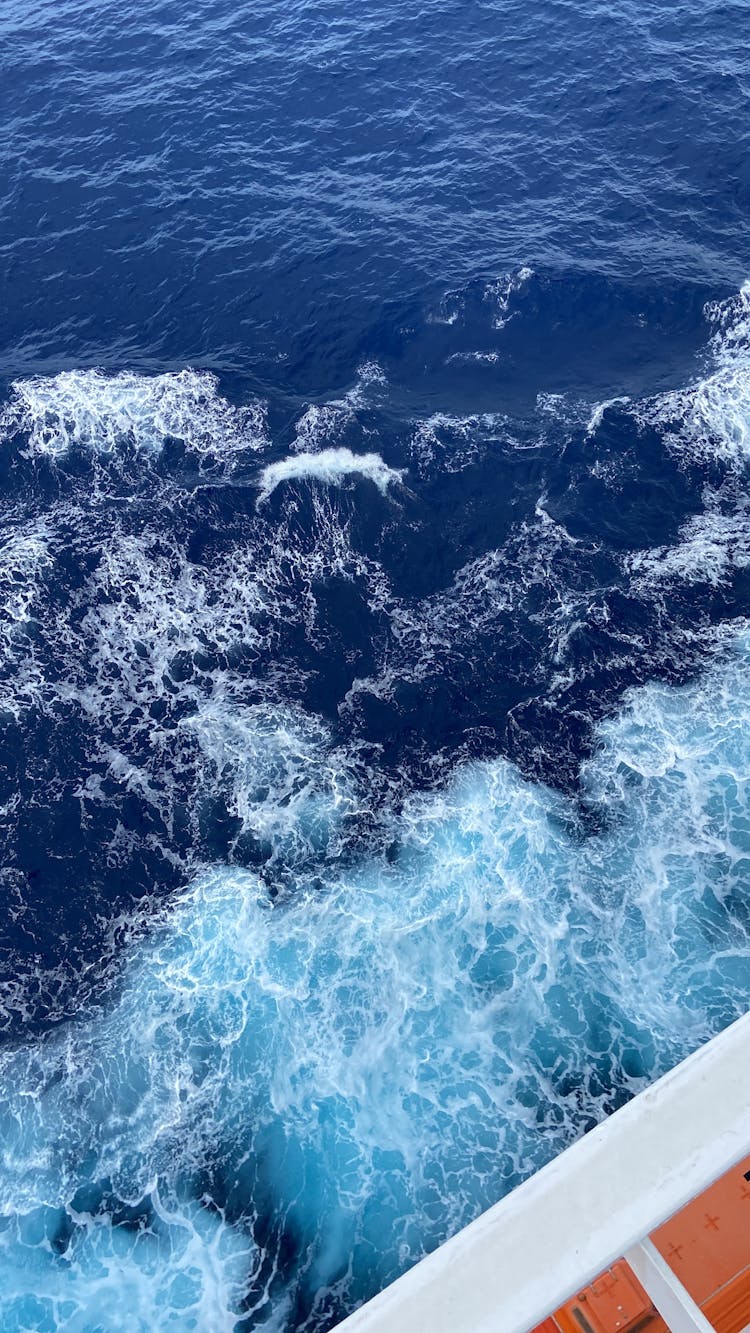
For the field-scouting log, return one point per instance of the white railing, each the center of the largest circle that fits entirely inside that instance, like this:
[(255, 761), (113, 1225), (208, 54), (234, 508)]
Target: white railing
[(595, 1203)]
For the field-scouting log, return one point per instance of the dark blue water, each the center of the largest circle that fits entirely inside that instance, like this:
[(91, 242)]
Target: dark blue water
[(374, 639)]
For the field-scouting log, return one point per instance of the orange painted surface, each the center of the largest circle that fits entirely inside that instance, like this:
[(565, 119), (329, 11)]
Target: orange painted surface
[(729, 1310), (614, 1303), (707, 1244)]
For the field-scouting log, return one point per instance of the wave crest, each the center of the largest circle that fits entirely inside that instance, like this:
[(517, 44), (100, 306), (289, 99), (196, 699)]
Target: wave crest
[(331, 467)]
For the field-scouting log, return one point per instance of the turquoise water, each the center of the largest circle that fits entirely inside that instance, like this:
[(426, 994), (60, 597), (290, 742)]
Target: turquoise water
[(376, 1062)]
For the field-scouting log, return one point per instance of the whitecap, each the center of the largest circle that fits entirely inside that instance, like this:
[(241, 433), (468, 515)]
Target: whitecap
[(599, 410), (330, 467)]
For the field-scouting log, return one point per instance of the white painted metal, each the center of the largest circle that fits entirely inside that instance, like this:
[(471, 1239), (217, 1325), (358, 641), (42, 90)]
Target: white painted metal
[(675, 1305), (538, 1246)]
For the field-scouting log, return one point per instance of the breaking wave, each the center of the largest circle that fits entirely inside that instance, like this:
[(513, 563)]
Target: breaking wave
[(329, 466)]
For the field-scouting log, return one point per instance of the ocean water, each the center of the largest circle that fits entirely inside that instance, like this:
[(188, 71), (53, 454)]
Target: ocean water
[(374, 625)]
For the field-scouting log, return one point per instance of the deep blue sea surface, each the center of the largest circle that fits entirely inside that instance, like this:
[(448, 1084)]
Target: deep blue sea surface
[(374, 624)]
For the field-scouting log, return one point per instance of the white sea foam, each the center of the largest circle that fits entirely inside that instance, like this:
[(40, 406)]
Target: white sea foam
[(450, 443), (373, 1064), (711, 546), (27, 555), (88, 409), (330, 467), (566, 410), (321, 426), (707, 421), (710, 418), (183, 1269), (148, 626), (370, 378)]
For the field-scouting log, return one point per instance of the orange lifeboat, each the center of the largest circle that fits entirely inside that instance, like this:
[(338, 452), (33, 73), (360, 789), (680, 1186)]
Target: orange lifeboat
[(707, 1246)]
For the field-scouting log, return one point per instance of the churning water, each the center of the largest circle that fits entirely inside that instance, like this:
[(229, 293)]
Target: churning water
[(374, 628)]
